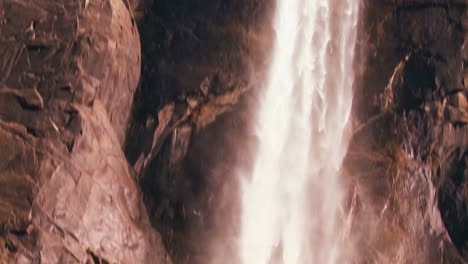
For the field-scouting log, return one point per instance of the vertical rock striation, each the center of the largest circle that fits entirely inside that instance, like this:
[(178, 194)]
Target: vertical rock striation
[(408, 156), (68, 72)]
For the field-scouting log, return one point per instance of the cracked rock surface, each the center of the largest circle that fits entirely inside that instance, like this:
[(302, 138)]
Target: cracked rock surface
[(68, 72), (112, 152), (407, 164)]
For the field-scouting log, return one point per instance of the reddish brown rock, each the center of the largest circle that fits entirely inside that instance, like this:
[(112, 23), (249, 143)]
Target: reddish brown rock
[(406, 162), (68, 71)]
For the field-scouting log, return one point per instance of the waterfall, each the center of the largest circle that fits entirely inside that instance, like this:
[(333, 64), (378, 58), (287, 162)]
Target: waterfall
[(291, 202)]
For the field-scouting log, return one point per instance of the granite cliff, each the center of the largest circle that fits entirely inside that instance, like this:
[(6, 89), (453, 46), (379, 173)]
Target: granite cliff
[(121, 123)]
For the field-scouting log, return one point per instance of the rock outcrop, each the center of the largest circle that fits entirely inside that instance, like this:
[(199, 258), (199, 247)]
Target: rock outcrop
[(68, 72)]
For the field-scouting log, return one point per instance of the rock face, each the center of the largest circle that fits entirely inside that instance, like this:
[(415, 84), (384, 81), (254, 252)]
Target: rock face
[(407, 161), (66, 88), (78, 149), (201, 60), (406, 166)]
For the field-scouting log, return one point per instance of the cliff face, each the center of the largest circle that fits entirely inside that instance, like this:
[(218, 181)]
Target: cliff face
[(68, 77), (408, 158), (80, 144), (202, 61), (66, 87)]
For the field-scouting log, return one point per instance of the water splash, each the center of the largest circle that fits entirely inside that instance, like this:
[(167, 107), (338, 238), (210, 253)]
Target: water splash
[(291, 202)]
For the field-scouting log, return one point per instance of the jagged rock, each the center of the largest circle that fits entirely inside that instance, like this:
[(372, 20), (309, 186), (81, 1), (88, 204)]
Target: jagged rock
[(406, 160), (459, 100), (216, 106), (68, 72), (394, 157), (202, 58), (456, 115), (66, 87)]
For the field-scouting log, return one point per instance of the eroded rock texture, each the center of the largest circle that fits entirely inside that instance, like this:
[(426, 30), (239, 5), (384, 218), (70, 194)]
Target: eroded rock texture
[(191, 116), (407, 160), (68, 72)]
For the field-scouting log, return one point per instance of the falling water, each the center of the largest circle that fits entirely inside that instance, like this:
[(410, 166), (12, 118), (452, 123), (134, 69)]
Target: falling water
[(291, 202)]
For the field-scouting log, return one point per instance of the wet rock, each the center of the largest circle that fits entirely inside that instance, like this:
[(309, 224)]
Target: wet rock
[(69, 194), (202, 58), (405, 152)]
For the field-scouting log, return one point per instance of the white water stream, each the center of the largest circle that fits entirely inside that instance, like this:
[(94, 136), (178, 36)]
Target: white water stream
[(292, 200)]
